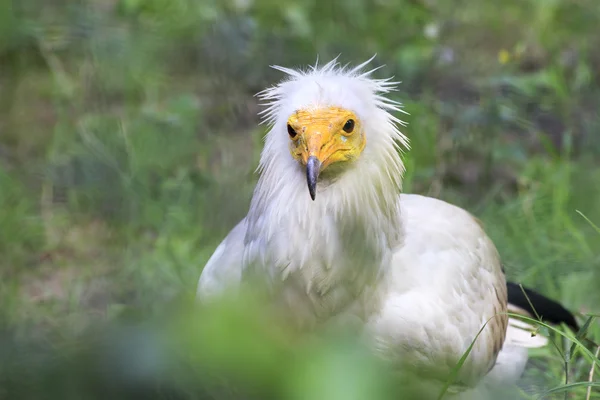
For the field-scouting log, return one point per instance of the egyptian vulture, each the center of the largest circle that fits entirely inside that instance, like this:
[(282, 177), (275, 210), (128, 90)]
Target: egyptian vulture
[(420, 276)]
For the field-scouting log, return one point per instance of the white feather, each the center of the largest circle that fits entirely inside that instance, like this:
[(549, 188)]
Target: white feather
[(421, 274)]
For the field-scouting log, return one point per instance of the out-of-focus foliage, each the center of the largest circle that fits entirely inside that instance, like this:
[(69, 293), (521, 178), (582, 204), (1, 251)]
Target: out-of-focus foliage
[(128, 141)]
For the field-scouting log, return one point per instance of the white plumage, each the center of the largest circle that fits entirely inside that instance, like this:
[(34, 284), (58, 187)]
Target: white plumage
[(420, 275)]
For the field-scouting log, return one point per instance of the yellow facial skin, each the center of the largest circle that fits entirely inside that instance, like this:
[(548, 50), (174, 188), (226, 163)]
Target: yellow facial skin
[(331, 134)]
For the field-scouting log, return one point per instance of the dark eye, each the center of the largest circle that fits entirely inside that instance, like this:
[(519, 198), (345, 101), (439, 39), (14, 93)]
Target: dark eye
[(349, 126), (291, 131)]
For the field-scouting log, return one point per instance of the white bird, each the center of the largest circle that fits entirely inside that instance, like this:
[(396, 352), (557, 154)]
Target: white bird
[(419, 275)]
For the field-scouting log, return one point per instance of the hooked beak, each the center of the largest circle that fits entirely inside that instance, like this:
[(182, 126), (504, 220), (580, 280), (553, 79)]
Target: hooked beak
[(313, 168)]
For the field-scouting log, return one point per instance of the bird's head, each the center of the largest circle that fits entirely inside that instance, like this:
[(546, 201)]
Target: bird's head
[(328, 120)]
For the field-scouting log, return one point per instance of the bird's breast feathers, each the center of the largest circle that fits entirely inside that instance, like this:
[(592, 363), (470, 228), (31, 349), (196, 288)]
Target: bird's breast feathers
[(326, 260)]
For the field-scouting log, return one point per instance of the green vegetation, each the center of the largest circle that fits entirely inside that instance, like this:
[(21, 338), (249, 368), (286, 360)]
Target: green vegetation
[(128, 142)]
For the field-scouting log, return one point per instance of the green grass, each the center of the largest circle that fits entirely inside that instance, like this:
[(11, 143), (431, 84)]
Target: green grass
[(128, 141)]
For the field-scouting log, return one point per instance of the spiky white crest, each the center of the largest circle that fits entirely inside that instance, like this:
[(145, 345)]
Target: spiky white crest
[(334, 85), (347, 233), (329, 84)]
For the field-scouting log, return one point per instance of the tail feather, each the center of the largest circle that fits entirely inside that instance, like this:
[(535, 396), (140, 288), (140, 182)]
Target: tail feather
[(521, 301), (526, 302)]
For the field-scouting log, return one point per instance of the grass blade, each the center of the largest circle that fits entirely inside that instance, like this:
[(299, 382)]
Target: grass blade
[(596, 228), (568, 387)]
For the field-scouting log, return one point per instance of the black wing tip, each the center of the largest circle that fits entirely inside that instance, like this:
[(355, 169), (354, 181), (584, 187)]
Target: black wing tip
[(549, 310)]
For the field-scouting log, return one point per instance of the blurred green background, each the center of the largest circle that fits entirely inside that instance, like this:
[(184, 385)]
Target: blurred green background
[(128, 142)]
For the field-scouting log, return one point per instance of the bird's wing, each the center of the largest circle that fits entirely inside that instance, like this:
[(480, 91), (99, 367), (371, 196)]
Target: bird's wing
[(446, 283), (224, 268)]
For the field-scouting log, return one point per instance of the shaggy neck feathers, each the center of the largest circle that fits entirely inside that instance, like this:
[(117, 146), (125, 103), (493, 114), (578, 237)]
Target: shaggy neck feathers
[(357, 211)]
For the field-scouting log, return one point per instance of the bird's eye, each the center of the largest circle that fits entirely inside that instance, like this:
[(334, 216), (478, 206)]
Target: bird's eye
[(349, 126), (291, 131)]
